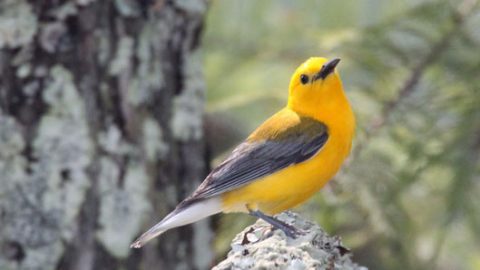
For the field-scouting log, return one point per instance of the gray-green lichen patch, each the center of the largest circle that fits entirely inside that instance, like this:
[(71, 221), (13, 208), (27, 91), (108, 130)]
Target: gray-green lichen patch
[(187, 119), (64, 148), (154, 145), (12, 176), (11, 140), (123, 56), (64, 11), (84, 2), (128, 8), (119, 203), (258, 247), (103, 46), (40, 208), (18, 24), (111, 141), (24, 71), (197, 7), (148, 79), (122, 188), (12, 163)]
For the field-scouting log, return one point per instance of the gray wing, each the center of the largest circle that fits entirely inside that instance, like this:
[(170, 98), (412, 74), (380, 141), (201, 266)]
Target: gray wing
[(253, 160)]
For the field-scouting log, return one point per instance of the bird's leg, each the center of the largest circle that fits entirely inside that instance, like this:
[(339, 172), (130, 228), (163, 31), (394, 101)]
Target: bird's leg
[(288, 229)]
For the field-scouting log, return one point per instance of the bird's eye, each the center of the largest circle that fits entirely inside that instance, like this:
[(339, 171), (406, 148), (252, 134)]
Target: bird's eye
[(304, 79)]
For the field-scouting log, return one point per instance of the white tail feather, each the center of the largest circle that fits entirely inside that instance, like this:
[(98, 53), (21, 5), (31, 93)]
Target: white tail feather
[(180, 217)]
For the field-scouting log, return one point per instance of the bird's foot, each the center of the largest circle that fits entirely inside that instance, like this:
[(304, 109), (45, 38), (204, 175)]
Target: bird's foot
[(289, 230)]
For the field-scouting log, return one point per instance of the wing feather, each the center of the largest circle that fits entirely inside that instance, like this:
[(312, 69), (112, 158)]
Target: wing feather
[(252, 160)]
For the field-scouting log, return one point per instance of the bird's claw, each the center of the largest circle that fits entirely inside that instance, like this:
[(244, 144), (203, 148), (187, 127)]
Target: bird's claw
[(290, 231)]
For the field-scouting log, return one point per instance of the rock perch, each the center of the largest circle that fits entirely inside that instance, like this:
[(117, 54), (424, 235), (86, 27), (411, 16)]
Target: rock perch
[(260, 247)]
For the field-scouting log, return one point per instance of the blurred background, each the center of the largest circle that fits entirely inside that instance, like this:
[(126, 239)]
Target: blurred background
[(408, 198), (113, 111)]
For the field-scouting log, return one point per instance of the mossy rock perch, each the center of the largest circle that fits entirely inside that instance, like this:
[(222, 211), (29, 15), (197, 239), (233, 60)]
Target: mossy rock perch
[(260, 247)]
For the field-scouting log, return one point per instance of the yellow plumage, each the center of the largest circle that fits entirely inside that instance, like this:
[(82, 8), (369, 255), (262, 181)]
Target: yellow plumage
[(284, 161), (295, 184)]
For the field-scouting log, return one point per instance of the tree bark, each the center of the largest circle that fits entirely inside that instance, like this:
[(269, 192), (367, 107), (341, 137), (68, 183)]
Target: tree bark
[(101, 132)]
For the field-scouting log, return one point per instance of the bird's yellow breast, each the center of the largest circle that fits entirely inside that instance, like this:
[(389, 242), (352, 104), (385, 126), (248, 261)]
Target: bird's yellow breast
[(293, 185), (322, 100)]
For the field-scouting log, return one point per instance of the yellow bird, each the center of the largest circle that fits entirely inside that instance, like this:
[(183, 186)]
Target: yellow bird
[(283, 162)]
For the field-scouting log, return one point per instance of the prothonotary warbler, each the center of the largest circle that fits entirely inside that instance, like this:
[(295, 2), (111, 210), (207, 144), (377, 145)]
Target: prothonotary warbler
[(283, 162)]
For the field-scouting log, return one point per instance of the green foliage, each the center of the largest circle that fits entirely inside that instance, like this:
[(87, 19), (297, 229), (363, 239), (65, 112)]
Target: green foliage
[(408, 197)]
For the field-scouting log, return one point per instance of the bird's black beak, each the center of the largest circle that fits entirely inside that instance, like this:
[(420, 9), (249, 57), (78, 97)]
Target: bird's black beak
[(326, 69)]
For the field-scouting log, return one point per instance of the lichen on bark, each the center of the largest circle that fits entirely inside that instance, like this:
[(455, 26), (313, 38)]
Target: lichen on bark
[(123, 184), (39, 209), (18, 24), (154, 145), (260, 247), (120, 202), (88, 155), (187, 120)]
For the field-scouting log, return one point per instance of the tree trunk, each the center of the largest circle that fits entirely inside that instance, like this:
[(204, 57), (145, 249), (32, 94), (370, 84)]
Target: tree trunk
[(101, 132)]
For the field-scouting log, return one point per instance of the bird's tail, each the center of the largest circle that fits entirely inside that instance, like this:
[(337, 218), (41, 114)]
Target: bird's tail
[(184, 214)]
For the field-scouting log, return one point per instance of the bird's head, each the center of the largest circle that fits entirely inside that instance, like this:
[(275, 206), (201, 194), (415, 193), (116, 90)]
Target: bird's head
[(316, 87)]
